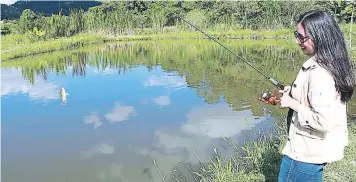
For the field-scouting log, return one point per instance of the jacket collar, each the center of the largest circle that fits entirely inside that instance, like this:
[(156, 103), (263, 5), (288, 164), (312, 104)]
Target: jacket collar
[(310, 63)]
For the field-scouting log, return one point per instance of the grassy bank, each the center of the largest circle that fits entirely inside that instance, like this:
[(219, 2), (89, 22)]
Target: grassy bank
[(15, 46), (260, 161)]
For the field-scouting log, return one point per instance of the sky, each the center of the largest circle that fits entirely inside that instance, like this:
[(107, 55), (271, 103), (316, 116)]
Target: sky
[(8, 2)]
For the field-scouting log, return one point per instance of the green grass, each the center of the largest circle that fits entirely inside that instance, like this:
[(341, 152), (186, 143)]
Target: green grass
[(15, 46), (344, 170), (194, 34)]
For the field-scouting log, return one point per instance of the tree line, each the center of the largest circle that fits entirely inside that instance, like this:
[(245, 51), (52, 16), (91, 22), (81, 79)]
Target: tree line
[(137, 17), (46, 8)]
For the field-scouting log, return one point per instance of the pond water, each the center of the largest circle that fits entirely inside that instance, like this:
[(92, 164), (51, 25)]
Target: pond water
[(134, 109)]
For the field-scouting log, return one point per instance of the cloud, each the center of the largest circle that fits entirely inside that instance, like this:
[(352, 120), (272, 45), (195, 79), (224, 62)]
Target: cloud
[(12, 82), (167, 81), (93, 118), (102, 148), (161, 101), (120, 113)]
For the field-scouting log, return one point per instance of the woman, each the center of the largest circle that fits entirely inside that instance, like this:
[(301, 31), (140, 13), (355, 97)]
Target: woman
[(318, 131)]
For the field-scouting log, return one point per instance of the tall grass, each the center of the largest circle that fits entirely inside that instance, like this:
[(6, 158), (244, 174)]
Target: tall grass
[(15, 45), (345, 170)]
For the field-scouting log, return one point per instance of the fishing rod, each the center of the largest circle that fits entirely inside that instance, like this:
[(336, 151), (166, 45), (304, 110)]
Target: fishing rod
[(267, 97), (273, 81)]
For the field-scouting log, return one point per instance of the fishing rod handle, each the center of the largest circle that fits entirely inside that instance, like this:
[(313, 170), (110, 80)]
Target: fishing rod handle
[(276, 83)]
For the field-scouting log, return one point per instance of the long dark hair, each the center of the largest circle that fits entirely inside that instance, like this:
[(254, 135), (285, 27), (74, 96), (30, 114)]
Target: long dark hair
[(330, 49)]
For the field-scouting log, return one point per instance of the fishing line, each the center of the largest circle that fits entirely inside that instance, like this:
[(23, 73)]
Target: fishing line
[(274, 82)]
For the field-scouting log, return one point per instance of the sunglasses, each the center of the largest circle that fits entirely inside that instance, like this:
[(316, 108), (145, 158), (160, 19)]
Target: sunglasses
[(300, 37)]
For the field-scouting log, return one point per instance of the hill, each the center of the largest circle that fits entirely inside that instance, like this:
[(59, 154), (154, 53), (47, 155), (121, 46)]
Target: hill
[(46, 8)]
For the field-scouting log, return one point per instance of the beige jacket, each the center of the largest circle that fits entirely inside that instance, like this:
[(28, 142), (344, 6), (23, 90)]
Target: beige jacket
[(318, 132)]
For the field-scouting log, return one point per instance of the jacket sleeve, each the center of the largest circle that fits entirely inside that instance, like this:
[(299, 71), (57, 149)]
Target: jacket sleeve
[(322, 97)]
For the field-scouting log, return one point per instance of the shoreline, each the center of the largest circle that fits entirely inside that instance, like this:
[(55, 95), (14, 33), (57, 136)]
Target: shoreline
[(20, 46), (30, 48)]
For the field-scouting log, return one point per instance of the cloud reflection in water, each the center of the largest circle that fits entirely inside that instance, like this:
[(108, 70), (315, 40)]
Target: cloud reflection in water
[(120, 113), (12, 82)]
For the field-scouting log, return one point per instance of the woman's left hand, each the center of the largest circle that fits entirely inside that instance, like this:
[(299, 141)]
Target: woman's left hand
[(287, 101)]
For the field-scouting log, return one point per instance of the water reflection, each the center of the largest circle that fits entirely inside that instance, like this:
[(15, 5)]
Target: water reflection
[(161, 101), (13, 83), (120, 113), (204, 126), (102, 148), (166, 81), (218, 121), (114, 172), (94, 119)]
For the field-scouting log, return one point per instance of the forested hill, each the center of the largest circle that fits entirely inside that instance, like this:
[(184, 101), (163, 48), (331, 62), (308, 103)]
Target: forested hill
[(47, 8)]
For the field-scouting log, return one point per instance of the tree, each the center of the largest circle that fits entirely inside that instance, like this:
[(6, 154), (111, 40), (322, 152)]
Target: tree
[(27, 20), (197, 18), (76, 21), (158, 17)]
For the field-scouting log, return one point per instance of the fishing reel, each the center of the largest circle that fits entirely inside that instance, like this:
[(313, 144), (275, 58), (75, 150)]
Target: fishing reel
[(269, 98)]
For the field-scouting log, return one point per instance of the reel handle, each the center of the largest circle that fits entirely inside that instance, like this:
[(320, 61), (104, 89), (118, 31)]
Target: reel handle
[(270, 98)]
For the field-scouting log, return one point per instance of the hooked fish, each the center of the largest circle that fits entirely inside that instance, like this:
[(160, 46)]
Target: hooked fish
[(63, 95)]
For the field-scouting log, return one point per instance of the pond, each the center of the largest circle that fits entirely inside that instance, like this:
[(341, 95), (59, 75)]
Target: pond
[(135, 110)]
